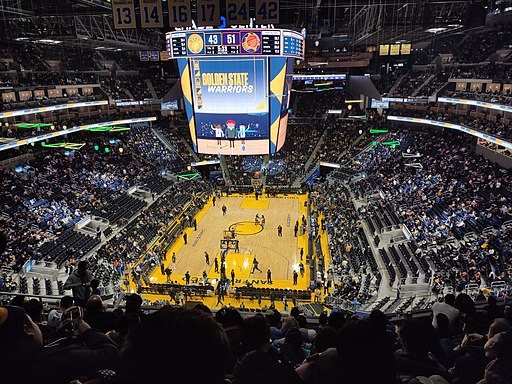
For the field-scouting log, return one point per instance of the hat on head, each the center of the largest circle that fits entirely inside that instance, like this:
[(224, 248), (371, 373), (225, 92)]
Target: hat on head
[(11, 322)]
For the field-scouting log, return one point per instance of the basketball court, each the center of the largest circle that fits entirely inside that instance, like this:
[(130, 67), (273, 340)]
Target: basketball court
[(279, 254)]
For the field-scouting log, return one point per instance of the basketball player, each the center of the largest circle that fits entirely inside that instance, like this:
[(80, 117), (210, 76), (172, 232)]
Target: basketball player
[(207, 258), (255, 264)]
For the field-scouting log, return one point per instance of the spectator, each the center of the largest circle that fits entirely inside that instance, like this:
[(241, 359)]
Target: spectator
[(357, 343), (97, 316), (415, 359), (262, 364), (27, 362), (180, 336), (446, 308), (79, 282), (55, 315)]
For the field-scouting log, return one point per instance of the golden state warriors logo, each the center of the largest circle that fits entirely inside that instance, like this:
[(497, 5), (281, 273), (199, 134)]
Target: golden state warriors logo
[(195, 43), (251, 42)]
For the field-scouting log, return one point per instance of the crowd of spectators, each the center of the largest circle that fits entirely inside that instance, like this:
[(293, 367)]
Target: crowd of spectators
[(386, 81), (340, 137), (129, 346), (438, 45), (301, 139), (242, 168), (489, 97), (130, 244), (136, 86), (435, 84), (496, 128), (349, 255), (456, 193), (13, 131), (56, 189), (495, 71), (477, 47), (72, 58), (22, 57), (410, 83), (316, 103), (160, 84)]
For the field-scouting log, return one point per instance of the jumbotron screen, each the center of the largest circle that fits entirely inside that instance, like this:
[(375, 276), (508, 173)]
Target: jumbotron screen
[(236, 86)]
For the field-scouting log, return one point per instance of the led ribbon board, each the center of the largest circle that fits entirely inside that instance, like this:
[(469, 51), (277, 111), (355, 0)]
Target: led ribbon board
[(74, 146), (483, 104), (30, 126), (31, 111), (456, 127), (19, 143), (108, 129)]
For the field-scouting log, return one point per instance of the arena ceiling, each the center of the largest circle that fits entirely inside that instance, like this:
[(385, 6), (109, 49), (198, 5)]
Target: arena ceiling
[(334, 22)]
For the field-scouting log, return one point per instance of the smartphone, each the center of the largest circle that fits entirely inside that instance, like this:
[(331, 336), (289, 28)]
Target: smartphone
[(75, 314)]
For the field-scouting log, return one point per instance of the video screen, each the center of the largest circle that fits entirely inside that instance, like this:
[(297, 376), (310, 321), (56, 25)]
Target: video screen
[(231, 104)]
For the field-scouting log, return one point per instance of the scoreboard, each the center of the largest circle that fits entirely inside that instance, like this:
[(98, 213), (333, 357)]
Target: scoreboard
[(234, 42), (236, 86)]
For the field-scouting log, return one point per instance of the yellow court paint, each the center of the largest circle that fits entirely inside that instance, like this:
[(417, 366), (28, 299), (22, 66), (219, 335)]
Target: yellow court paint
[(251, 203), (246, 228)]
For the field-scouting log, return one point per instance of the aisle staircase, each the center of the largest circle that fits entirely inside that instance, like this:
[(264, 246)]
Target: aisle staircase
[(224, 168), (151, 88), (300, 179), (427, 80), (395, 86)]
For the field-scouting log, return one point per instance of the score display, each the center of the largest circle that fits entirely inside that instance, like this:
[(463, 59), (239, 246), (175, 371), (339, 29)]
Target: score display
[(234, 42)]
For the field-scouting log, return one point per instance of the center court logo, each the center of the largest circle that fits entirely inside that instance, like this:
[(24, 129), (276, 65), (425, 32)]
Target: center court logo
[(195, 43)]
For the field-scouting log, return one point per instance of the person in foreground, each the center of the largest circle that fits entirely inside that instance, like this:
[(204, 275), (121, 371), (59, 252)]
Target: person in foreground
[(24, 359)]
